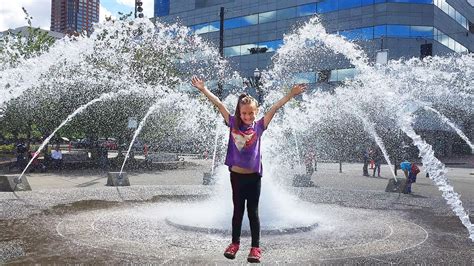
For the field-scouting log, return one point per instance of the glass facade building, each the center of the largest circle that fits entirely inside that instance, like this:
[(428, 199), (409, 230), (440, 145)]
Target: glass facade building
[(162, 8), (74, 16), (253, 30)]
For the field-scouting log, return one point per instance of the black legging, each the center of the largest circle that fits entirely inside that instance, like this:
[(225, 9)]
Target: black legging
[(245, 187)]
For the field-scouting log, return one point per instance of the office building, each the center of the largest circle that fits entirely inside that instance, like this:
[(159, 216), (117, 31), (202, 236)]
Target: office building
[(74, 16), (253, 30)]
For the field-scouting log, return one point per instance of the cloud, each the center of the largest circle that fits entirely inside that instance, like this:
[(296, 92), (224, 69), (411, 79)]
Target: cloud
[(130, 3), (471, 2), (103, 12), (148, 8), (12, 16)]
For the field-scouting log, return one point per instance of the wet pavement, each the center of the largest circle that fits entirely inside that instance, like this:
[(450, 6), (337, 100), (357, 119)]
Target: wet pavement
[(62, 221)]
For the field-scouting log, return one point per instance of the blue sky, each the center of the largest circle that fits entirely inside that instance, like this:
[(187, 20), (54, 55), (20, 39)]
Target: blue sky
[(11, 15)]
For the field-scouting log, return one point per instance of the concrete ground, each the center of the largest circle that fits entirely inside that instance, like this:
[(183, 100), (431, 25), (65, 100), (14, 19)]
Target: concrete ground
[(72, 217)]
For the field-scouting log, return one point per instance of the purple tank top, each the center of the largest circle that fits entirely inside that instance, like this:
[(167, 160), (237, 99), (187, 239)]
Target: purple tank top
[(243, 149)]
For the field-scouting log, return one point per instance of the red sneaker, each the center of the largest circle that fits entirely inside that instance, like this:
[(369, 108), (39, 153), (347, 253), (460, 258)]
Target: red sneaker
[(231, 250), (255, 255)]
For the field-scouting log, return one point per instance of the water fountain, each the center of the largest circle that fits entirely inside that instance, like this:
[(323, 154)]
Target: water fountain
[(399, 89)]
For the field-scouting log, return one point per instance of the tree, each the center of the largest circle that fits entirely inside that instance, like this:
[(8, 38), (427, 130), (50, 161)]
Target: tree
[(125, 55), (21, 45)]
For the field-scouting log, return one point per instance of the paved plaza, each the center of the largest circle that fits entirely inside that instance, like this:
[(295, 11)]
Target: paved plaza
[(70, 216)]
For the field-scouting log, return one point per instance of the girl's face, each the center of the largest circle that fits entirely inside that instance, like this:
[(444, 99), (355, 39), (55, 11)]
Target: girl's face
[(248, 113)]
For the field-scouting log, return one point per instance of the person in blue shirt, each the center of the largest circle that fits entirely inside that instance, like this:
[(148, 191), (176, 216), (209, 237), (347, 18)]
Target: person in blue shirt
[(410, 170)]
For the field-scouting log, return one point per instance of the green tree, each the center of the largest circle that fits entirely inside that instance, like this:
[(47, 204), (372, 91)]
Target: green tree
[(23, 45)]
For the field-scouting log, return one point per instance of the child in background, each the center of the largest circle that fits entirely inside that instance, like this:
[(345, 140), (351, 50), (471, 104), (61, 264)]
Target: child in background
[(410, 170)]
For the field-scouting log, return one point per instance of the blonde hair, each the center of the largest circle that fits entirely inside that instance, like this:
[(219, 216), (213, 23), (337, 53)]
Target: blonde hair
[(244, 98)]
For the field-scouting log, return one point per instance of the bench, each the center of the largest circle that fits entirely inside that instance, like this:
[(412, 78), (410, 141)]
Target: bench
[(163, 160), (77, 159)]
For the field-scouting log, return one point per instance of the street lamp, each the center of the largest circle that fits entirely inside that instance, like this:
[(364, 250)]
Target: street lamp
[(257, 74), (139, 8), (254, 82)]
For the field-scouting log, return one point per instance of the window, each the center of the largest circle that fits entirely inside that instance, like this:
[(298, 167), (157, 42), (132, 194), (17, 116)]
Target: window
[(306, 10), (201, 28), (214, 26), (327, 6), (398, 31), (380, 31), (232, 51), (252, 48), (232, 23), (267, 17), (248, 48), (241, 22), (412, 1), (345, 4), (249, 20), (444, 39), (271, 46), (353, 34), (304, 77), (286, 13), (162, 8), (367, 33), (342, 74), (421, 32)]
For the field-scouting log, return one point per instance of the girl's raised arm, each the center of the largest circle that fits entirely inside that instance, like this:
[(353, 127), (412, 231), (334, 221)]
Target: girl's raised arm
[(199, 84), (297, 89)]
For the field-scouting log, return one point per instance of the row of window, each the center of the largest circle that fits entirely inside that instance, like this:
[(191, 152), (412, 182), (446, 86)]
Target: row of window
[(252, 48), (335, 75), (367, 33), (316, 8), (380, 31), (448, 41), (453, 13)]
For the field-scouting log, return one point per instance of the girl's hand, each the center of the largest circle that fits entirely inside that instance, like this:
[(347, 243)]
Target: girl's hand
[(297, 89), (198, 83)]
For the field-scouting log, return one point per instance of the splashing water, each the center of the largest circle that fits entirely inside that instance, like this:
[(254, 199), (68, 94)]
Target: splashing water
[(377, 92), (214, 152), (437, 173), (369, 127), (104, 65), (104, 97), (150, 111), (452, 125)]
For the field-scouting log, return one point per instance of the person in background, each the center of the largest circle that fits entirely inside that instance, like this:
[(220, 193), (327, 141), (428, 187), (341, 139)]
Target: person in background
[(57, 158), (410, 170), (377, 157), (365, 169), (308, 161), (21, 155), (36, 164)]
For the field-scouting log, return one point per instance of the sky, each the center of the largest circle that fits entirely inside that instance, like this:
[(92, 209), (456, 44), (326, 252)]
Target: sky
[(12, 16)]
